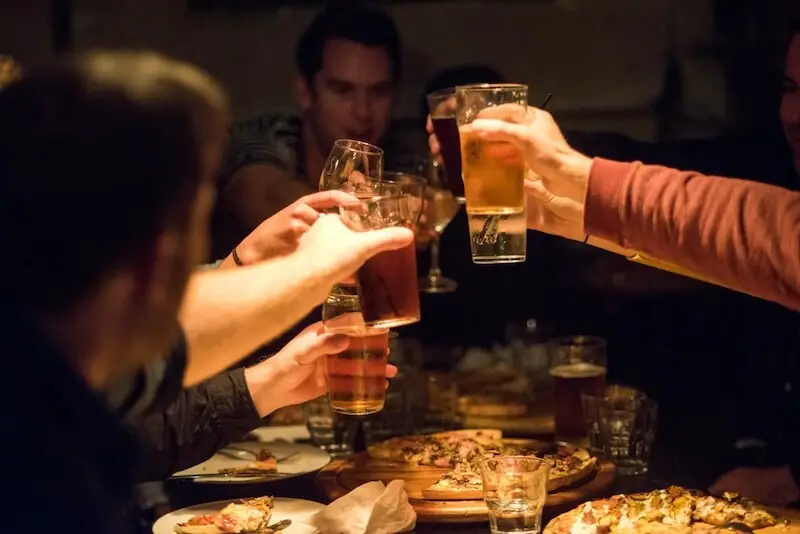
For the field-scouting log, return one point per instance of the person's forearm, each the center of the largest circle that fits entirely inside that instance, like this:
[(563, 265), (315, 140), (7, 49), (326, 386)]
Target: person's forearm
[(226, 314), (202, 420), (743, 234)]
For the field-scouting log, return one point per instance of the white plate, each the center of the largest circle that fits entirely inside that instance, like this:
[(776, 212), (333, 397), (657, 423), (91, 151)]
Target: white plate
[(298, 510), (306, 459)]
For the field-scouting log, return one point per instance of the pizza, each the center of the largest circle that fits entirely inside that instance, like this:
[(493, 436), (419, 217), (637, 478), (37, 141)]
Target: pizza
[(265, 462), (462, 452), (672, 510), (241, 517)]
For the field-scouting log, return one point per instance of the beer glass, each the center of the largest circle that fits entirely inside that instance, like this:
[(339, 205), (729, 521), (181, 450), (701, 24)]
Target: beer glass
[(396, 183), (357, 376), (577, 367), (352, 166), (442, 108), (493, 173), (387, 282), (515, 490)]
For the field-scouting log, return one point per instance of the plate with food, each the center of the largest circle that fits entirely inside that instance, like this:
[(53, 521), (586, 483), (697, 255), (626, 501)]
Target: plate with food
[(247, 462), (260, 515), (671, 510)]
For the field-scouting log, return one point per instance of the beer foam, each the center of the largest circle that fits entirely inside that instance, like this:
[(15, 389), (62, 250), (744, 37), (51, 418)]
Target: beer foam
[(578, 370)]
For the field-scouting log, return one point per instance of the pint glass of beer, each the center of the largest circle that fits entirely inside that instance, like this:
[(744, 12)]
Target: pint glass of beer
[(396, 183), (352, 166), (442, 107), (387, 282), (577, 367), (493, 173), (357, 376)]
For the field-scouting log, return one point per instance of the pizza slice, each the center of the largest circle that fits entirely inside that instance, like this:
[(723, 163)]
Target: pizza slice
[(265, 462), (731, 508), (243, 517), (456, 485)]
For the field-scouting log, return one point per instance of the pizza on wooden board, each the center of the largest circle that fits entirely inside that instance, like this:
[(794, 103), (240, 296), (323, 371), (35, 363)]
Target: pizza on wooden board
[(463, 450), (568, 465), (671, 510), (242, 517)]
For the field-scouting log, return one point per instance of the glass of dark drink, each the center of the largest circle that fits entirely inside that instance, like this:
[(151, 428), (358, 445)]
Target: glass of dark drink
[(577, 367), (357, 375), (387, 282), (442, 107)]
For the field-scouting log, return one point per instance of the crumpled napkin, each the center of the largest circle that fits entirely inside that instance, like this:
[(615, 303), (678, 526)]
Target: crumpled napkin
[(371, 508)]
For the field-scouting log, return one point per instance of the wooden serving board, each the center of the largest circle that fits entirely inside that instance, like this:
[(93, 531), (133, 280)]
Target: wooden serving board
[(341, 476)]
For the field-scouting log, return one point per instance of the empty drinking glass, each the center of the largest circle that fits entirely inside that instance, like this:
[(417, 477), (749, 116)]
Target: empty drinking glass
[(333, 433), (622, 426), (515, 490)]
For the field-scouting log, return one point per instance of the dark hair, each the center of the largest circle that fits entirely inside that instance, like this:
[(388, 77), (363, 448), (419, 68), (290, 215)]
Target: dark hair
[(98, 155), (459, 75), (359, 22)]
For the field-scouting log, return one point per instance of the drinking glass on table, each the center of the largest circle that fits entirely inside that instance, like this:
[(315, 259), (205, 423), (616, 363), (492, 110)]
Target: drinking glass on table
[(622, 425), (352, 166), (331, 432), (493, 173), (577, 366), (356, 376), (515, 490), (387, 282)]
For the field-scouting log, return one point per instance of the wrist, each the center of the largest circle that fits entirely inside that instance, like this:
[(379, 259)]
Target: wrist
[(260, 380), (576, 168), (246, 253)]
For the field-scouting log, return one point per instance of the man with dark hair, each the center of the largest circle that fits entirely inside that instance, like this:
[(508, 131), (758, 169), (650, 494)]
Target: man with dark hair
[(107, 167), (348, 61)]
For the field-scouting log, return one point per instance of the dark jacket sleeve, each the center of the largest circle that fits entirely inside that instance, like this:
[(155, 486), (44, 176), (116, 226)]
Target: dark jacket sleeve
[(201, 421)]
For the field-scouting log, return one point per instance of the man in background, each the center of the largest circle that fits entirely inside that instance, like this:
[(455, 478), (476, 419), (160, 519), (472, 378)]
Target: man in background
[(349, 61)]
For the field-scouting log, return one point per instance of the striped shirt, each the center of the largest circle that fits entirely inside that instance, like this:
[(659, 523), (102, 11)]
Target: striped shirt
[(277, 140)]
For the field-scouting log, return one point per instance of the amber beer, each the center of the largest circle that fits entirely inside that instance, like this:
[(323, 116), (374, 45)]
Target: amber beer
[(494, 184), (570, 381), (493, 173), (387, 285), (357, 376)]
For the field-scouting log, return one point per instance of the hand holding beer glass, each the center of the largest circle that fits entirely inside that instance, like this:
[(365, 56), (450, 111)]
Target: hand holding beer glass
[(577, 367), (494, 173)]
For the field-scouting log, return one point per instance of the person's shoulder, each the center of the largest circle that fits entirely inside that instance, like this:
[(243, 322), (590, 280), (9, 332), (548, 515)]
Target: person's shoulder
[(266, 126), (267, 139)]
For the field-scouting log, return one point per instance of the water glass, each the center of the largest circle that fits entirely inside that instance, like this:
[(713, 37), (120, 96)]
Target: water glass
[(515, 490), (333, 433), (622, 425)]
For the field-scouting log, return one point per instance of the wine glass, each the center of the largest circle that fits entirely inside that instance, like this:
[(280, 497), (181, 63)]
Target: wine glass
[(352, 166), (441, 207), (355, 167)]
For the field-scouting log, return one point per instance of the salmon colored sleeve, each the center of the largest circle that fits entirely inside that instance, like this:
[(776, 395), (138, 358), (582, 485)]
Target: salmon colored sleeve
[(744, 234)]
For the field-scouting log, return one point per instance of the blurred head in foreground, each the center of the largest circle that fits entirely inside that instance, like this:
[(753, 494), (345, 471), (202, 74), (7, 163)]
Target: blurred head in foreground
[(106, 182)]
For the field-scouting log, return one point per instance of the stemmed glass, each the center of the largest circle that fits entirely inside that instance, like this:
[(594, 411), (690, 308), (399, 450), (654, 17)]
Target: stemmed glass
[(445, 187), (352, 166), (441, 207), (355, 167)]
